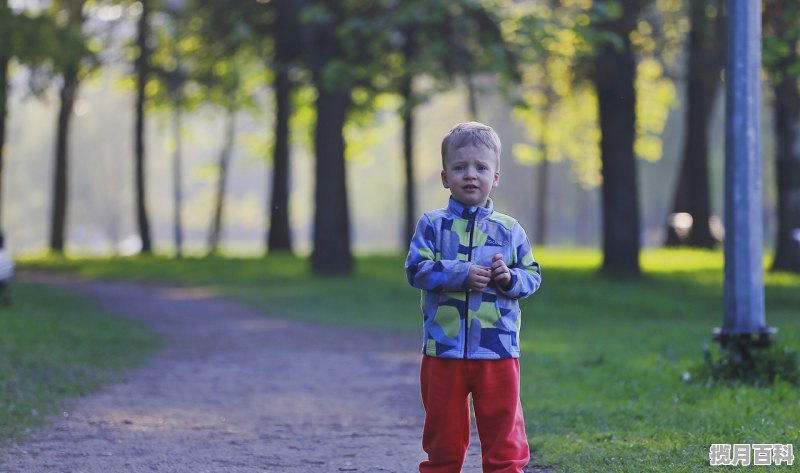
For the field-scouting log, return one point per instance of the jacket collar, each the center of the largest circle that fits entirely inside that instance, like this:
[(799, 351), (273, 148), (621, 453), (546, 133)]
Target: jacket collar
[(462, 211)]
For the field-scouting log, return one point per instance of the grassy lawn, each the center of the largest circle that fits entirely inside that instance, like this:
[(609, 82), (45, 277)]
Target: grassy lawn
[(55, 346), (603, 358)]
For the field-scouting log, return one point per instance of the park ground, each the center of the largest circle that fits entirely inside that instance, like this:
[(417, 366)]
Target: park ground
[(611, 377)]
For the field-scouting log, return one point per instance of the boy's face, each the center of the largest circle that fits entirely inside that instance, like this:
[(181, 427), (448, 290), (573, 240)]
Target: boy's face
[(471, 173)]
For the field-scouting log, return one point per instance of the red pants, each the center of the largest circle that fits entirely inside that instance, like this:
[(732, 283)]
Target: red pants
[(446, 385)]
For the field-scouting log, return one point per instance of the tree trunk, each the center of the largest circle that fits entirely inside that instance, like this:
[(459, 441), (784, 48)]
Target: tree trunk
[(59, 209), (406, 90), (279, 234), (280, 238), (3, 114), (472, 96), (692, 194), (614, 77), (787, 138), (177, 179), (142, 69), (331, 252), (543, 175), (224, 159), (5, 57), (542, 178)]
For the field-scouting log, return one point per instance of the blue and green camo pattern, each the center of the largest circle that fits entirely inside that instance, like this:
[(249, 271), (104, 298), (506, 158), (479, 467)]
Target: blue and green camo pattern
[(457, 322)]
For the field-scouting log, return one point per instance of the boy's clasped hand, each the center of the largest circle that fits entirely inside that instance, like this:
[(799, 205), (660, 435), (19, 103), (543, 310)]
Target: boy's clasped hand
[(480, 276)]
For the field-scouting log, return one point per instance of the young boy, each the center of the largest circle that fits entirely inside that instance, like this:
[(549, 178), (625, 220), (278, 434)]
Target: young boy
[(473, 265)]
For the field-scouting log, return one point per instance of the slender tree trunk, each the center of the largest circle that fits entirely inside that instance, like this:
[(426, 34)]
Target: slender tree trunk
[(3, 115), (543, 176), (142, 72), (177, 178), (5, 56), (584, 223), (692, 194), (407, 113), (280, 238), (331, 252), (69, 90), (787, 137), (410, 50), (59, 208), (224, 159), (472, 96), (614, 77), (279, 235)]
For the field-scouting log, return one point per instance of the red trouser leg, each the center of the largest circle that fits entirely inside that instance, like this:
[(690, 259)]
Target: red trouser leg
[(446, 384), (445, 392), (498, 414)]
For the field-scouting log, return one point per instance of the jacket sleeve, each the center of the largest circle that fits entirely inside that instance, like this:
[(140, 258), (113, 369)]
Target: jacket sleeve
[(526, 275), (424, 272)]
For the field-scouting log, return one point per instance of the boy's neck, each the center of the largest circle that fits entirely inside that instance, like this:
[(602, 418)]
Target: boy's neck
[(480, 206)]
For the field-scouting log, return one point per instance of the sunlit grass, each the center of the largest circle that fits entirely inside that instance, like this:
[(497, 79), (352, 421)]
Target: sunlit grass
[(603, 357)]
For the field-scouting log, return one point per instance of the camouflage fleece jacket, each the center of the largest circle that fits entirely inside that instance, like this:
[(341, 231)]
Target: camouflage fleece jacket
[(457, 322)]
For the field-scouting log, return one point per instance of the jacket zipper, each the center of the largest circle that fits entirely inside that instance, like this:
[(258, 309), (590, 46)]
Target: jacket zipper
[(466, 299)]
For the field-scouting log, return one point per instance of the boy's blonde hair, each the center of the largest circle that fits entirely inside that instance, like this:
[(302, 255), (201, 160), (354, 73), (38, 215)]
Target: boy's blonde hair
[(471, 133)]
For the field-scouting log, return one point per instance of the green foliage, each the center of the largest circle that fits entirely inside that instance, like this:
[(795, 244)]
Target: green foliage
[(741, 362), (379, 45), (210, 52), (781, 30), (50, 41), (25, 36), (560, 114), (55, 346)]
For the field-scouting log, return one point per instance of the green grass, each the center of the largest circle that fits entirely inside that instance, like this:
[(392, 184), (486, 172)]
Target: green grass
[(55, 346), (603, 358)]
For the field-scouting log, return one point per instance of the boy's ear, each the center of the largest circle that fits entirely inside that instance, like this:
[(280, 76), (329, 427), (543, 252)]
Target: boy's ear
[(444, 179), (496, 181)]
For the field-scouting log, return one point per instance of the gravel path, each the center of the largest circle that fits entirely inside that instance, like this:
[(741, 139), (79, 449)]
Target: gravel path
[(235, 391)]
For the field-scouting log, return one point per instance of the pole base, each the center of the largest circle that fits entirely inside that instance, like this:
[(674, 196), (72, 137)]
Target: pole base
[(761, 339)]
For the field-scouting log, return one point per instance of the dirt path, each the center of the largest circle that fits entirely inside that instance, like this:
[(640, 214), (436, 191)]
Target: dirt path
[(235, 391)]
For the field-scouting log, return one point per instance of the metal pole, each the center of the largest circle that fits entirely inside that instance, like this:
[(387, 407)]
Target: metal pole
[(744, 270)]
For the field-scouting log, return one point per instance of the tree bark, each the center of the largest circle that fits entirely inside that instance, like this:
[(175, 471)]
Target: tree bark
[(543, 174), (5, 57), (224, 159), (279, 234), (280, 238), (177, 178), (59, 208), (614, 77), (787, 138), (142, 72), (472, 96), (3, 114), (67, 94), (692, 194), (407, 114), (331, 252), (542, 178)]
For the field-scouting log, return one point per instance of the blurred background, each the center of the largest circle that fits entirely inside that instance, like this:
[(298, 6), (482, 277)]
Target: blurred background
[(300, 125)]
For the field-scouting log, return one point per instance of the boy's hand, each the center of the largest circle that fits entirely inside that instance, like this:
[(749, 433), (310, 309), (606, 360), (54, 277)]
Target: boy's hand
[(501, 275), (478, 278)]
